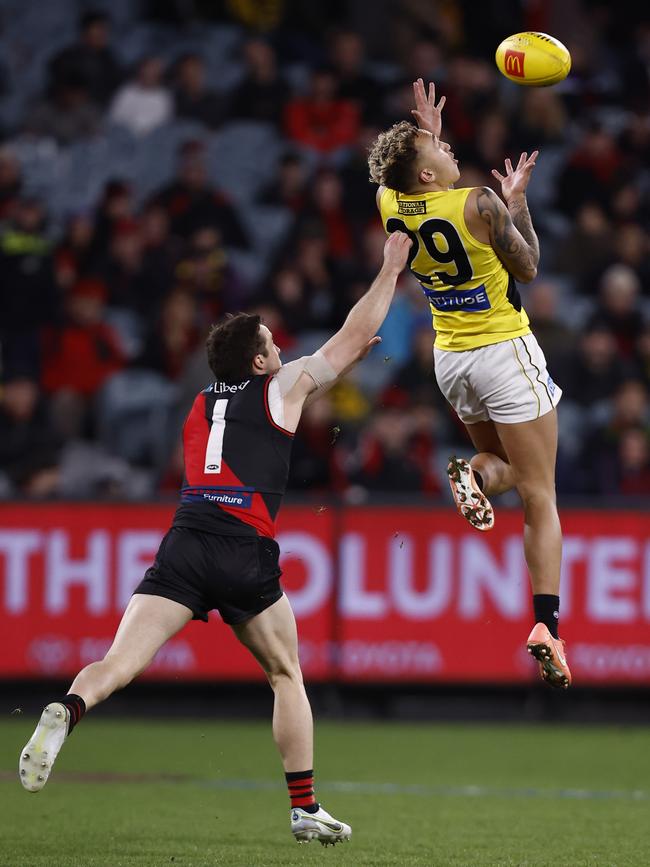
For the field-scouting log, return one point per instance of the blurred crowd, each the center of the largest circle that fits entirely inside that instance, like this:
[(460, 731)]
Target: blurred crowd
[(104, 307)]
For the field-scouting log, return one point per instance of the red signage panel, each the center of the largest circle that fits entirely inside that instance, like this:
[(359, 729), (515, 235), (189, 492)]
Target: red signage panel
[(380, 594), (424, 597)]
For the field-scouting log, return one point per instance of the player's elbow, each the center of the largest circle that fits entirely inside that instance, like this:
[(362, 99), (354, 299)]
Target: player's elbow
[(344, 350), (526, 275)]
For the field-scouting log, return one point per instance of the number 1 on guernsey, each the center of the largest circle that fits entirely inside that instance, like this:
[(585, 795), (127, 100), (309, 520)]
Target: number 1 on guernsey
[(214, 450)]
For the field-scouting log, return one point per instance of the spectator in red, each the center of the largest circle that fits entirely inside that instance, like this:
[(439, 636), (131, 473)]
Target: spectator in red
[(78, 357), (320, 121)]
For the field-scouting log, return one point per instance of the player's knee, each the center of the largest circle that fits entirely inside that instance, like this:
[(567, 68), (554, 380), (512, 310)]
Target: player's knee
[(283, 669), (536, 497)]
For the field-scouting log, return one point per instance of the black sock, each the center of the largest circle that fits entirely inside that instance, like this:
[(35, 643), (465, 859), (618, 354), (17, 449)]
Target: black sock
[(76, 709), (547, 611), (478, 477)]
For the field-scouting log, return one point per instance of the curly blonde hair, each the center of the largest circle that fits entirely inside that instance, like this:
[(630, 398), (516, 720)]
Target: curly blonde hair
[(392, 157)]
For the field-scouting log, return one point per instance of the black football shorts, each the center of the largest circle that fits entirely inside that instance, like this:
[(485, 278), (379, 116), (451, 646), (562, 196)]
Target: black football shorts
[(238, 575)]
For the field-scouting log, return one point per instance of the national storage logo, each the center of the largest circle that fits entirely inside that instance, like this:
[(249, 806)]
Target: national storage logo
[(411, 208)]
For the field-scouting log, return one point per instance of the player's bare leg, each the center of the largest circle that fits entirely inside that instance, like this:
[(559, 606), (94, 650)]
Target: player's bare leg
[(490, 460), (531, 449), (147, 623), (273, 639)]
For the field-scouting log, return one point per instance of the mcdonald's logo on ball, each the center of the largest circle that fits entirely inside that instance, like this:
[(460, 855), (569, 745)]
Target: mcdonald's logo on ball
[(515, 63)]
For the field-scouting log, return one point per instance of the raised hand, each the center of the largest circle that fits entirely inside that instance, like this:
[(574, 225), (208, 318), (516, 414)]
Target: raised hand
[(515, 181), (396, 251), (427, 114)]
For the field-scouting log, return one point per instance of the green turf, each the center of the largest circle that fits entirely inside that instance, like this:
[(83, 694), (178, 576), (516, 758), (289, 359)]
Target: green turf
[(139, 794)]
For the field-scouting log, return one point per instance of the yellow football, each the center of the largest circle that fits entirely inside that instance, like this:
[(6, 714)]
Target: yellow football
[(533, 59)]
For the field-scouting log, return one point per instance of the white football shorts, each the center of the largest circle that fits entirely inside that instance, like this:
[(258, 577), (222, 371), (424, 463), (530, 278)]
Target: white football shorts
[(506, 382)]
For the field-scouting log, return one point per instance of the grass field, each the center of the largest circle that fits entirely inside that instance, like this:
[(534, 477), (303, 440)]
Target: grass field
[(193, 794)]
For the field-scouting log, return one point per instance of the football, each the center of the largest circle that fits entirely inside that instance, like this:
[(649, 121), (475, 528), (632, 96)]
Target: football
[(533, 59)]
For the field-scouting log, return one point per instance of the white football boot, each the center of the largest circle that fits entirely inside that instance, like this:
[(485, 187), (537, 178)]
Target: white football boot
[(43, 747), (318, 826), (471, 502)]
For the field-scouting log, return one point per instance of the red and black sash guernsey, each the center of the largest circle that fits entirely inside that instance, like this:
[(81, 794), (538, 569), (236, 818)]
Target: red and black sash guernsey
[(236, 461)]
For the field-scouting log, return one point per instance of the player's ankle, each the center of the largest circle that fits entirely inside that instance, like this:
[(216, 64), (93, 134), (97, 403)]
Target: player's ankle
[(301, 790), (76, 707), (547, 611)]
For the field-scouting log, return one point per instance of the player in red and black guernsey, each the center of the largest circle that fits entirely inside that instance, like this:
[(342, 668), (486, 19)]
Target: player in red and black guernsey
[(220, 551), (236, 454)]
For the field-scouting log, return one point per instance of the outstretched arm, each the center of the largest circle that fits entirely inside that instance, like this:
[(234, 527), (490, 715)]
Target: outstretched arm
[(355, 338), (511, 228), (369, 312)]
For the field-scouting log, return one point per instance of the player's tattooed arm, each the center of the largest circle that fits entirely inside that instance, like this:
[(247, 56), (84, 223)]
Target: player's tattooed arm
[(518, 209), (512, 236)]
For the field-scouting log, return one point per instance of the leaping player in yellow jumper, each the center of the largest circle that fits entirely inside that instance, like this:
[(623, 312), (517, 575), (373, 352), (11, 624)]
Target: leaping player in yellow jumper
[(468, 250)]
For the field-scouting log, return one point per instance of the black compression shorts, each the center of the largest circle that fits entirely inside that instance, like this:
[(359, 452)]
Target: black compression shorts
[(238, 575)]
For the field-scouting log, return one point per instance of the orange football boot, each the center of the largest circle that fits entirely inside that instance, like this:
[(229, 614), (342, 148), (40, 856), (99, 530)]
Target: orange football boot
[(549, 653), (471, 502)]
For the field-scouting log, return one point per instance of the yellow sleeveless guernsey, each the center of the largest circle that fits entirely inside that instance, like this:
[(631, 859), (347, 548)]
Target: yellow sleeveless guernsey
[(474, 300)]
